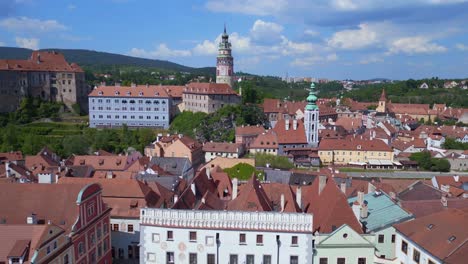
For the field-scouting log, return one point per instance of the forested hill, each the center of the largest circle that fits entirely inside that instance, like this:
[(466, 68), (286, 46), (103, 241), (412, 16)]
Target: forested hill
[(90, 58)]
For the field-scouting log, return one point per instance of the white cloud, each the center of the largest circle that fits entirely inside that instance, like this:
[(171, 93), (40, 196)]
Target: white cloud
[(2, 44), (354, 38), (26, 24), (344, 5), (28, 43), (71, 7), (462, 47), (161, 52), (371, 59), (206, 48), (249, 7), (412, 45), (266, 32), (312, 33), (312, 60)]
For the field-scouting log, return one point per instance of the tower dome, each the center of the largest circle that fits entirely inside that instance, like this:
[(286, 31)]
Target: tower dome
[(312, 98)]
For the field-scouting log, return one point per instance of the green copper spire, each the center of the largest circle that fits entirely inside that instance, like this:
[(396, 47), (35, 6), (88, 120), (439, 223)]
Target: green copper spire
[(312, 98)]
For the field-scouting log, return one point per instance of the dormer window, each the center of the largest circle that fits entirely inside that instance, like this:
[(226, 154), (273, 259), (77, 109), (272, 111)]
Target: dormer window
[(100, 93), (359, 147), (116, 93), (140, 94), (156, 94), (129, 93)]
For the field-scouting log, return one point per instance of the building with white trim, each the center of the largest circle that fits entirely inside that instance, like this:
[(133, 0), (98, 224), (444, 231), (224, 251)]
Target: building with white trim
[(188, 236), (135, 106)]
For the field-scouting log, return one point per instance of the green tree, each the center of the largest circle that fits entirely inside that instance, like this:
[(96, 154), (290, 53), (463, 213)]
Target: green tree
[(75, 144)]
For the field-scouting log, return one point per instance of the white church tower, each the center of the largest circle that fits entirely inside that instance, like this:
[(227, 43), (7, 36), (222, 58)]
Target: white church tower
[(311, 118)]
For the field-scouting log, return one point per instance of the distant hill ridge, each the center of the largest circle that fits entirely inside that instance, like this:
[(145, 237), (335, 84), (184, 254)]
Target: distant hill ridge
[(95, 58)]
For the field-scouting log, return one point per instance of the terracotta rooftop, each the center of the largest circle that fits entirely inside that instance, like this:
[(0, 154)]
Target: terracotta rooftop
[(421, 208), (444, 234), (354, 144), (222, 147), (267, 140), (349, 123), (209, 88), (139, 91), (18, 201), (249, 130), (125, 197), (41, 61), (174, 91), (16, 238), (252, 197), (290, 136), (409, 109), (11, 156)]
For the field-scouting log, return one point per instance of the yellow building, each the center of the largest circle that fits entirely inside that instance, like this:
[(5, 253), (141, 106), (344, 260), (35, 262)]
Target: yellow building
[(373, 153)]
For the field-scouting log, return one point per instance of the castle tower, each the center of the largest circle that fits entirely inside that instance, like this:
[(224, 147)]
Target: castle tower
[(382, 107), (225, 61), (311, 118)]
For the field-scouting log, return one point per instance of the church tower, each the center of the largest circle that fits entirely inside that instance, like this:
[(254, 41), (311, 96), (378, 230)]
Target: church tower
[(225, 61), (382, 107), (311, 118)]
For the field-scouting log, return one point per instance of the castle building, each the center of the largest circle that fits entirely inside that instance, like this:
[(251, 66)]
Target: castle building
[(225, 61), (208, 97), (47, 75), (134, 106), (311, 118)]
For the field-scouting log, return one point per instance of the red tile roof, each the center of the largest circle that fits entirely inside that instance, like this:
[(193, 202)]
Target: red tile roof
[(249, 130), (446, 238), (330, 208), (409, 109), (139, 91), (47, 201), (221, 147), (354, 144), (349, 123), (11, 156), (251, 197), (174, 91), (209, 88), (290, 136), (267, 140), (41, 61), (14, 238)]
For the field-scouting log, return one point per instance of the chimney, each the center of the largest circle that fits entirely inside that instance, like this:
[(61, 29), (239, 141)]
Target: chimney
[(194, 189), (234, 188), (322, 183), (109, 175), (356, 210), (176, 197), (343, 187), (360, 197), (370, 188), (7, 169), (295, 124), (31, 219), (286, 123), (299, 197), (282, 202), (364, 211), (456, 178), (443, 200), (208, 173)]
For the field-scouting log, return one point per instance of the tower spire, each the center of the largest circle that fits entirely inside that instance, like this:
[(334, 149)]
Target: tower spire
[(224, 27), (311, 117)]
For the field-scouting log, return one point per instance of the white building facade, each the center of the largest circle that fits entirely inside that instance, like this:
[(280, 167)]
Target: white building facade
[(125, 238), (135, 106), (187, 236), (407, 251)]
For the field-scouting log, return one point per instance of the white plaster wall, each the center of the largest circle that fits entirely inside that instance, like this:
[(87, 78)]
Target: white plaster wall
[(206, 244)]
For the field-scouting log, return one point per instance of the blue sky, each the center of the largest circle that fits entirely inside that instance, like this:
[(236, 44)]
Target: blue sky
[(337, 39)]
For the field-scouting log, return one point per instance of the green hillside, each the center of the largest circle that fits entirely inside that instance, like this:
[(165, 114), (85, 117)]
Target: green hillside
[(90, 58)]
